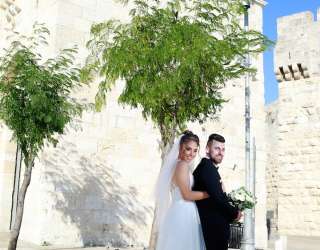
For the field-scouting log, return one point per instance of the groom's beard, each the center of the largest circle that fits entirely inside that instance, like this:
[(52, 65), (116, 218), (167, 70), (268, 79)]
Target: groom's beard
[(216, 160)]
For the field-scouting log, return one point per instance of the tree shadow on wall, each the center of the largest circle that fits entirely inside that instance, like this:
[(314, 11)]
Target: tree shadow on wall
[(88, 194)]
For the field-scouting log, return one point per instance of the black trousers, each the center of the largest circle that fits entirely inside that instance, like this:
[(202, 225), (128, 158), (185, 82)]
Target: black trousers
[(216, 233)]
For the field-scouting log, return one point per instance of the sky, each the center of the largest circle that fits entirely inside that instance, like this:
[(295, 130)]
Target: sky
[(273, 10)]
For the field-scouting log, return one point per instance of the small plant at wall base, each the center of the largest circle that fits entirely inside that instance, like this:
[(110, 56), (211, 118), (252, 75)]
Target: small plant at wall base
[(35, 101), (174, 58)]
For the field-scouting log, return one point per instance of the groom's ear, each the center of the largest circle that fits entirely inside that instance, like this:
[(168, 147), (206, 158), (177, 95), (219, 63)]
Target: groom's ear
[(207, 150)]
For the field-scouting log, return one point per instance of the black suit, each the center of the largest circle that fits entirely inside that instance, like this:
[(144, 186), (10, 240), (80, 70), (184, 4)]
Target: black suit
[(215, 212)]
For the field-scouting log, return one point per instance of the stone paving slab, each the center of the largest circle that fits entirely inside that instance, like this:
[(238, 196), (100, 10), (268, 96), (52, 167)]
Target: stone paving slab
[(294, 243), (29, 246), (299, 243)]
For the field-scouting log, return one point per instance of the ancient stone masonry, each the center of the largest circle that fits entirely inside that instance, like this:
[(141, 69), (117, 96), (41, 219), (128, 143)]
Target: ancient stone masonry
[(272, 177), (292, 72), (96, 186), (294, 122), (297, 51)]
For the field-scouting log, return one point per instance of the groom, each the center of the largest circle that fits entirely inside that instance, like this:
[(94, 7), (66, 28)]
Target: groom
[(215, 212)]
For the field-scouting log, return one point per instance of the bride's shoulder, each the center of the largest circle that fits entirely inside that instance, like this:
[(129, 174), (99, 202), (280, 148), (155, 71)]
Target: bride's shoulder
[(182, 163)]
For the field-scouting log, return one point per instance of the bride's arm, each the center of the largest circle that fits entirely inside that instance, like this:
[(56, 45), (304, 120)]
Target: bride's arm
[(181, 179)]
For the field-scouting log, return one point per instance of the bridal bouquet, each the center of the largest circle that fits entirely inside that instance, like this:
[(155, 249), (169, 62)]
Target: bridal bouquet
[(242, 199)]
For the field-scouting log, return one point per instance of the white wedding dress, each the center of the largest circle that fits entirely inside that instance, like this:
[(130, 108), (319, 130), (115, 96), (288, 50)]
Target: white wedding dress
[(181, 228)]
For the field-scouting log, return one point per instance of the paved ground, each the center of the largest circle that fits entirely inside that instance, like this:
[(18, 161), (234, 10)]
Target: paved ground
[(294, 243), (28, 246), (298, 243)]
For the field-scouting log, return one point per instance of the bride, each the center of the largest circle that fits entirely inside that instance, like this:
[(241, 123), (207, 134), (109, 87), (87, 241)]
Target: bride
[(177, 220)]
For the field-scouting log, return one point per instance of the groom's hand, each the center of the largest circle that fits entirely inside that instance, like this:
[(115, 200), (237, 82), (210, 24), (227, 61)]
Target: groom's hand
[(239, 215)]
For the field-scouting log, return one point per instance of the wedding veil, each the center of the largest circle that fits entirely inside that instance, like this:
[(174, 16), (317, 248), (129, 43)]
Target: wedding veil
[(164, 182)]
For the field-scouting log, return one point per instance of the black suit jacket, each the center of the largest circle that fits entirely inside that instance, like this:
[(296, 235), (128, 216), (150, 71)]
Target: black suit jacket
[(215, 212)]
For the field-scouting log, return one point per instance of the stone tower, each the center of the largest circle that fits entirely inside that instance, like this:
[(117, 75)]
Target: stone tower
[(96, 187), (294, 125)]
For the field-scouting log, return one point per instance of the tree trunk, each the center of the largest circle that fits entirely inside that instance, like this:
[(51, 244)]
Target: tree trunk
[(165, 147), (15, 231)]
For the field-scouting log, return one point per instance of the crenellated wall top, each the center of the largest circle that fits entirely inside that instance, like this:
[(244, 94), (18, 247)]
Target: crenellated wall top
[(297, 52)]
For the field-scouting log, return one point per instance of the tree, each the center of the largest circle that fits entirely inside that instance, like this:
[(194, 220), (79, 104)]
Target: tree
[(174, 58), (35, 101)]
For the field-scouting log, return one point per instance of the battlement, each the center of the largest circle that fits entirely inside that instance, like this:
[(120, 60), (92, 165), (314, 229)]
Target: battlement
[(297, 52)]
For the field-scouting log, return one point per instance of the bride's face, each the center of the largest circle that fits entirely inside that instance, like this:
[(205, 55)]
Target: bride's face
[(188, 151)]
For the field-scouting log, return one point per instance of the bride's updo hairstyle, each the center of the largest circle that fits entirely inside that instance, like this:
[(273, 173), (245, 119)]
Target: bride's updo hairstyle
[(189, 136)]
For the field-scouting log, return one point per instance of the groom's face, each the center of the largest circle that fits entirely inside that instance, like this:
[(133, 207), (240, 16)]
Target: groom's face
[(215, 151)]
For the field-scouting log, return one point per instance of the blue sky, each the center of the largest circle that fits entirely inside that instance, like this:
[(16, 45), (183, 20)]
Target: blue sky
[(273, 10)]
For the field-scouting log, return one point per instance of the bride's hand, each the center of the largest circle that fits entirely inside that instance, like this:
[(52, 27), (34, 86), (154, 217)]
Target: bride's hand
[(205, 195)]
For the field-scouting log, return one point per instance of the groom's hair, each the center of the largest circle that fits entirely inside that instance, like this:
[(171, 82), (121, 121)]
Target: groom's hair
[(215, 137)]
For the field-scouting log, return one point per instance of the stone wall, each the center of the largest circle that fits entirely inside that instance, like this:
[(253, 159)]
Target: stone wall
[(95, 187), (298, 158), (7, 161), (272, 178), (293, 59), (297, 124)]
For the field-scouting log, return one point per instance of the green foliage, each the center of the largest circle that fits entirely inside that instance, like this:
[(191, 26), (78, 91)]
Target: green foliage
[(35, 98), (175, 58)]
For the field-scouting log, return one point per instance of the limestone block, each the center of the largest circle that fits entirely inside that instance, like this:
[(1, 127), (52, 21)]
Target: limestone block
[(308, 151), (68, 8), (6, 183), (89, 14), (296, 72), (7, 167), (113, 11), (279, 75), (283, 128), (84, 3), (306, 73), (286, 192), (287, 74), (314, 160), (67, 37)]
